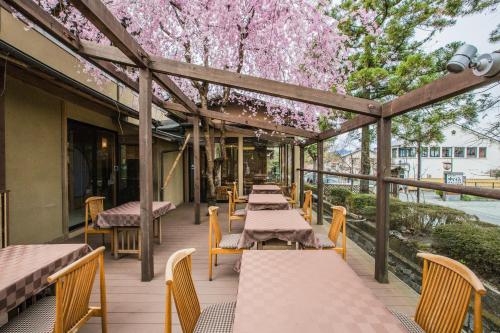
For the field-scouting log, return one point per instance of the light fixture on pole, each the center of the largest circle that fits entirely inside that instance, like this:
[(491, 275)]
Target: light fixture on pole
[(487, 64)]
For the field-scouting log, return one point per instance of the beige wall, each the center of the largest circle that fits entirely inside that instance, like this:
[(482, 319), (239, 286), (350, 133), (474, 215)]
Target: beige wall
[(175, 189), (33, 163)]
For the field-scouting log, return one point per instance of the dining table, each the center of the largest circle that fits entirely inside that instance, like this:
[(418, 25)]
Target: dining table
[(306, 291), (125, 220), (267, 202), (266, 189), (24, 270), (286, 225)]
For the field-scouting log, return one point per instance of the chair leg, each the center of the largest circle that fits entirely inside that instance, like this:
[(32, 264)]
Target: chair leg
[(229, 224), (86, 238), (209, 266), (103, 240), (215, 261)]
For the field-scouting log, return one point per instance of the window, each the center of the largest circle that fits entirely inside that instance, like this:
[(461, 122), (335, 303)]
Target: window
[(394, 152), (424, 151), (447, 152), (434, 152), (403, 152), (412, 152), (472, 152), (459, 152), (482, 152)]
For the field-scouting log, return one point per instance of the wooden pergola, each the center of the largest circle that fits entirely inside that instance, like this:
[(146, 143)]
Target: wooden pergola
[(127, 51)]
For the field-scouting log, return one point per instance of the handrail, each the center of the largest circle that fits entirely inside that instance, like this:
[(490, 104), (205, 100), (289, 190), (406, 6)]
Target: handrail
[(4, 218), (460, 189), (341, 174)]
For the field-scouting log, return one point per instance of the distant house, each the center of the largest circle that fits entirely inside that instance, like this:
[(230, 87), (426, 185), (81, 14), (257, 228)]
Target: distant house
[(463, 150), (350, 161)]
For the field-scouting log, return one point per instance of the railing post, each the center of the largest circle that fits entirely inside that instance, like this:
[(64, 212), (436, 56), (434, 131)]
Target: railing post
[(146, 173), (319, 212), (197, 171), (301, 176), (382, 218)]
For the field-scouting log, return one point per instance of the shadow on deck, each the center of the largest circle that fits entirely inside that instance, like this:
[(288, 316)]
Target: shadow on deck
[(135, 306)]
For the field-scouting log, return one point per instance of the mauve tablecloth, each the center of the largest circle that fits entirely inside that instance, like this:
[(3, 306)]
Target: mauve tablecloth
[(267, 202), (306, 291), (129, 214), (24, 270), (266, 189), (286, 225)]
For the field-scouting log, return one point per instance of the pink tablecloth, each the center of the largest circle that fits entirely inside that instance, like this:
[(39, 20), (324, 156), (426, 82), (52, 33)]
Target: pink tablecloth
[(24, 269), (267, 202), (306, 291), (266, 189), (129, 214), (286, 225)]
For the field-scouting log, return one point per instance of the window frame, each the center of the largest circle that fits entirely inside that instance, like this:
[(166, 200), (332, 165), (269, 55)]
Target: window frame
[(455, 152), (434, 149)]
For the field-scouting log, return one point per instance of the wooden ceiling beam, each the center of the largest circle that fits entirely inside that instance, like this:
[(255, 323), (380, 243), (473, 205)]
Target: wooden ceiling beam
[(251, 133), (446, 87), (241, 81), (247, 121)]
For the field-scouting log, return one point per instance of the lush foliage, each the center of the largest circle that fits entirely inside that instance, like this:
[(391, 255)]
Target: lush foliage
[(475, 246)]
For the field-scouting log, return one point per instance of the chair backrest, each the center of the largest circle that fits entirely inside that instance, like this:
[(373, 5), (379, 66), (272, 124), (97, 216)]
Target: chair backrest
[(445, 296), (307, 202), (180, 285), (293, 191), (235, 191), (73, 288), (231, 204), (338, 223), (214, 232), (93, 206)]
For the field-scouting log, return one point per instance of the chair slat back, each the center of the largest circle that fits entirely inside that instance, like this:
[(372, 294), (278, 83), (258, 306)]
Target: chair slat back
[(235, 191), (293, 191), (338, 223), (180, 285), (73, 288), (93, 206), (446, 294), (231, 204), (214, 226), (307, 202)]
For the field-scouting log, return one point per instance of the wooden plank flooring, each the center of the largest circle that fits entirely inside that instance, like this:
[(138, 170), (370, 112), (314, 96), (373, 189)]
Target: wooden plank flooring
[(135, 306)]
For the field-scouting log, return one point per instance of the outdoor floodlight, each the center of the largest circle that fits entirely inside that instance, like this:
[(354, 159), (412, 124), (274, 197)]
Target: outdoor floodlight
[(487, 64)]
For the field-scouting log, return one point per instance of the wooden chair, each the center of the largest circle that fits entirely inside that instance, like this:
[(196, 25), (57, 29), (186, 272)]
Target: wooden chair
[(306, 210), (217, 242), (292, 199), (236, 198), (93, 206), (329, 242), (233, 213), (69, 310), (445, 296), (215, 318)]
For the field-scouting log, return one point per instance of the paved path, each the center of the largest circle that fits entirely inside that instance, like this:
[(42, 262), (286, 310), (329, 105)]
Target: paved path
[(487, 210)]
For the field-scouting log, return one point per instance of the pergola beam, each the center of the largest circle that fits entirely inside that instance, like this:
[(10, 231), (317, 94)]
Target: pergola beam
[(243, 120), (240, 81), (249, 132)]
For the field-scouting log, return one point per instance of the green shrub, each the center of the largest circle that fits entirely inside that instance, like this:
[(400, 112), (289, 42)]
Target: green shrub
[(359, 201), (440, 193), (340, 196), (477, 247)]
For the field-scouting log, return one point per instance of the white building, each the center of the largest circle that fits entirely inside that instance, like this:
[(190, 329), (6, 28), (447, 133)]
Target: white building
[(463, 150)]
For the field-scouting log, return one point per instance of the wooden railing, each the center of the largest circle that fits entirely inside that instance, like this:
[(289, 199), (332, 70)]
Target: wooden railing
[(4, 217)]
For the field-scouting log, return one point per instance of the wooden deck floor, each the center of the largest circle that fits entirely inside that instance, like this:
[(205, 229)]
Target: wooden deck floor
[(135, 306)]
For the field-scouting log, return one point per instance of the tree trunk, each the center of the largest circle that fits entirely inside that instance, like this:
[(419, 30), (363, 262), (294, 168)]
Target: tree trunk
[(419, 168), (210, 163), (223, 153), (364, 185)]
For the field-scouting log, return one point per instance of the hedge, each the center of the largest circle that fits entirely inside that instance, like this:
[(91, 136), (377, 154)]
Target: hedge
[(477, 247)]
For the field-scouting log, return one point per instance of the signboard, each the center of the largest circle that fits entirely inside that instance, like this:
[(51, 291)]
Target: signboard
[(454, 178)]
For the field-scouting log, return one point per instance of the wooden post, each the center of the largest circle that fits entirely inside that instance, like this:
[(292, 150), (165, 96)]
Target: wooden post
[(320, 184), (146, 173), (240, 165), (382, 218), (197, 171), (301, 177), (3, 90), (186, 172), (64, 169)]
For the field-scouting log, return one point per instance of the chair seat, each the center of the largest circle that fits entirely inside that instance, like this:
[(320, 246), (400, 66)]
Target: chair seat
[(92, 228), (243, 197), (324, 242), (407, 322), (240, 212), (38, 318), (217, 318), (229, 241)]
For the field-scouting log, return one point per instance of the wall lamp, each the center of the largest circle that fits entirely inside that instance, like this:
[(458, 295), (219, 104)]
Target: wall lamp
[(487, 64)]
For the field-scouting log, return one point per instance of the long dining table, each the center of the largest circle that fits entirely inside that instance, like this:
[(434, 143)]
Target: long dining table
[(24, 270), (306, 291), (267, 202), (266, 189)]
